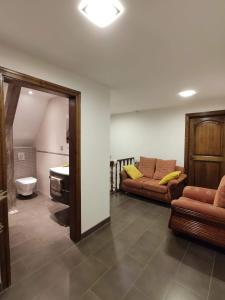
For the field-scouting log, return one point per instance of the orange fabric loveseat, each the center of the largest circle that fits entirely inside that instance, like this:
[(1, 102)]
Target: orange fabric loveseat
[(148, 186)]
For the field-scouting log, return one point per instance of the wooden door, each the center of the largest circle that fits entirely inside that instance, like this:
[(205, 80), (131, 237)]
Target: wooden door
[(4, 228), (205, 148)]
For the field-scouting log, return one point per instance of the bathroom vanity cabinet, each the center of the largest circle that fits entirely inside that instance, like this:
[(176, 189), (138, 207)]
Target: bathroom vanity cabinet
[(61, 174)]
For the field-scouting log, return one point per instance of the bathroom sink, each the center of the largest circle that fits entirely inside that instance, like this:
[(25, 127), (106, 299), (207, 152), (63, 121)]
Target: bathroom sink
[(61, 170)]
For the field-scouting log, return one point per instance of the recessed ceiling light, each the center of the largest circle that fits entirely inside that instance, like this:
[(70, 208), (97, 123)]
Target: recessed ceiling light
[(101, 12), (187, 93), (30, 92)]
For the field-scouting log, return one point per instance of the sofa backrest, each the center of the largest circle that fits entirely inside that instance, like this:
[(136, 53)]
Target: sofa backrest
[(178, 168)]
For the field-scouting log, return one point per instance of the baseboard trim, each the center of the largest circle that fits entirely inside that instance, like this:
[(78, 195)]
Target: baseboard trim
[(95, 228)]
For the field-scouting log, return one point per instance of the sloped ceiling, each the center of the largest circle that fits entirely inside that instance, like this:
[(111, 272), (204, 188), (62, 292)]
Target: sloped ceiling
[(29, 115), (156, 49)]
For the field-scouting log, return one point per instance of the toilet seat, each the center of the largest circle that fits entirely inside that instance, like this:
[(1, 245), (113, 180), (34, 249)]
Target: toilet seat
[(27, 180)]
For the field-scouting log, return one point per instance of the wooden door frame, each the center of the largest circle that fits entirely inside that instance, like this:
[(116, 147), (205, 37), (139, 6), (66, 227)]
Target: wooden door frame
[(188, 118), (74, 97)]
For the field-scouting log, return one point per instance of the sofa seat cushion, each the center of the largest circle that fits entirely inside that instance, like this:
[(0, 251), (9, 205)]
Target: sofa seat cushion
[(147, 166), (209, 211), (154, 186), (135, 183)]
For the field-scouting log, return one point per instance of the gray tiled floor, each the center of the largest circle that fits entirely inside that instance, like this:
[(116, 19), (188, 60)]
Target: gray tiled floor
[(134, 258)]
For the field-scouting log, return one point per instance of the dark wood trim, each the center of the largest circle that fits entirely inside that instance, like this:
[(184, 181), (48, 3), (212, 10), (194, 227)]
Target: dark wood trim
[(22, 80), (11, 102), (186, 150), (95, 228), (31, 82), (208, 158), (112, 164), (4, 240), (206, 114), (75, 162), (3, 177)]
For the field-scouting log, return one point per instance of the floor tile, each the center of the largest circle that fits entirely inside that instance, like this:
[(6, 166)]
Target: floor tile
[(117, 281), (135, 294), (20, 251), (217, 287), (111, 253), (217, 290), (84, 275), (219, 269), (71, 258), (90, 245), (174, 246), (90, 296), (178, 292), (134, 257), (107, 233), (196, 268), (156, 278), (145, 247)]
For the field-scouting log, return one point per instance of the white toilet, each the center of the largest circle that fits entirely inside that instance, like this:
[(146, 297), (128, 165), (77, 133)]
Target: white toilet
[(26, 186)]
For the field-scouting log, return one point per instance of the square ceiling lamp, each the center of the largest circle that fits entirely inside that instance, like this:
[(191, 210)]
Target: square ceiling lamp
[(101, 12)]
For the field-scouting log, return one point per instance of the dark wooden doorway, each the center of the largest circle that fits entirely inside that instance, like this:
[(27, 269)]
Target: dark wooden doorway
[(17, 81), (205, 148)]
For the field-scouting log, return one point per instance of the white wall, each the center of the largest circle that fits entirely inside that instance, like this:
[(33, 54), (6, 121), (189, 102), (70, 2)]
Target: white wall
[(155, 133), (27, 119), (95, 124), (51, 138)]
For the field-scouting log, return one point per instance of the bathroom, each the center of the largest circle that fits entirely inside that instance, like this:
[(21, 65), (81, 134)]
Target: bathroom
[(40, 142), (37, 173)]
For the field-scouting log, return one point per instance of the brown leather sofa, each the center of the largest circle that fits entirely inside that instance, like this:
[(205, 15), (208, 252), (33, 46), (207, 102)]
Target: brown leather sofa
[(150, 188), (196, 214)]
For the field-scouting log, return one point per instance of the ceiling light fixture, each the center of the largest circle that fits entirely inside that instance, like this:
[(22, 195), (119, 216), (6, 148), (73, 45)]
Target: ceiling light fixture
[(187, 93), (30, 93), (101, 12)]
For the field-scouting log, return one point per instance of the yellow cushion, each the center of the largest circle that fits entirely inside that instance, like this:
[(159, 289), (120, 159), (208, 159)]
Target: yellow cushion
[(132, 172), (170, 176)]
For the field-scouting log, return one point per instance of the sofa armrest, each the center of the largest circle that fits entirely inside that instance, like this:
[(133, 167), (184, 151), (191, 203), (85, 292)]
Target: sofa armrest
[(176, 187), (123, 176), (181, 178), (200, 194)]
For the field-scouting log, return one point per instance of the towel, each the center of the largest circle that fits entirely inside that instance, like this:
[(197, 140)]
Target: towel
[(57, 194), (56, 184)]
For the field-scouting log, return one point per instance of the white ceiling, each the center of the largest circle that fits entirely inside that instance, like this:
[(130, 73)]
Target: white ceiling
[(29, 115), (153, 51)]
